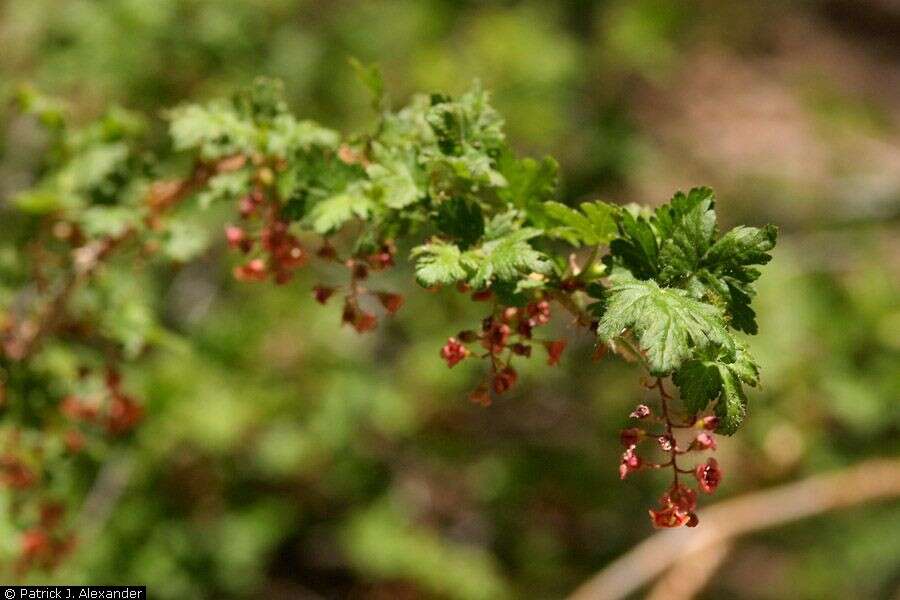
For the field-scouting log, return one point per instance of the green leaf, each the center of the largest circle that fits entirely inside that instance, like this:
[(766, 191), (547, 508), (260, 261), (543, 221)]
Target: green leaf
[(215, 130), (508, 258), (701, 381), (669, 324), (740, 247), (99, 221), (225, 187), (438, 263), (636, 249), (530, 184), (185, 240), (329, 215), (371, 77), (687, 227), (287, 136), (393, 180), (732, 405), (595, 225), (462, 220)]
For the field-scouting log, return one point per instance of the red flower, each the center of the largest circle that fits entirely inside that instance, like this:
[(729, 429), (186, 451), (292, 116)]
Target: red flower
[(364, 322), (390, 302), (34, 542), (74, 441), (453, 352), (666, 442), (14, 473), (554, 351), (482, 296), (480, 395), (358, 270), (668, 517), (382, 259), (538, 313), (521, 350), (631, 437), (496, 337), (255, 270), (630, 462), (682, 497), (708, 475), (124, 414), (322, 293), (327, 252), (641, 411), (237, 238), (504, 380), (704, 441)]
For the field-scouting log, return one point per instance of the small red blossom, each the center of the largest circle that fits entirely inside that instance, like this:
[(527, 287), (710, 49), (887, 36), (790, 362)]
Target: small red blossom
[(666, 442), (364, 322), (322, 293), (704, 441), (641, 411), (668, 517), (348, 314), (255, 270), (453, 352), (538, 313), (682, 497), (504, 380), (482, 295), (124, 414), (496, 337), (77, 409), (237, 238), (327, 252), (382, 259), (630, 462), (481, 395), (708, 475), (358, 270), (15, 474), (35, 542), (390, 302), (554, 351), (74, 441), (521, 350)]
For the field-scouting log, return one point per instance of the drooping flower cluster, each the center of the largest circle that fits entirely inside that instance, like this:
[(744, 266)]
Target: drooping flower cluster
[(113, 411), (504, 335), (677, 504), (279, 252), (353, 313), (45, 544)]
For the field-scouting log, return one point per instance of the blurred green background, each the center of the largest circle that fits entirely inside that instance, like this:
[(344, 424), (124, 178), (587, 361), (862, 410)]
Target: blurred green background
[(283, 457)]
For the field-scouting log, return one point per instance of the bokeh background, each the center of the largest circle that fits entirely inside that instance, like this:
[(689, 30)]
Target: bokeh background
[(283, 457)]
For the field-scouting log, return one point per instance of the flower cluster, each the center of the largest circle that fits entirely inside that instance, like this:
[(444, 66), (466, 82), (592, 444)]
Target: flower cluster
[(280, 250), (114, 411), (353, 313), (45, 544), (677, 504), (504, 335)]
